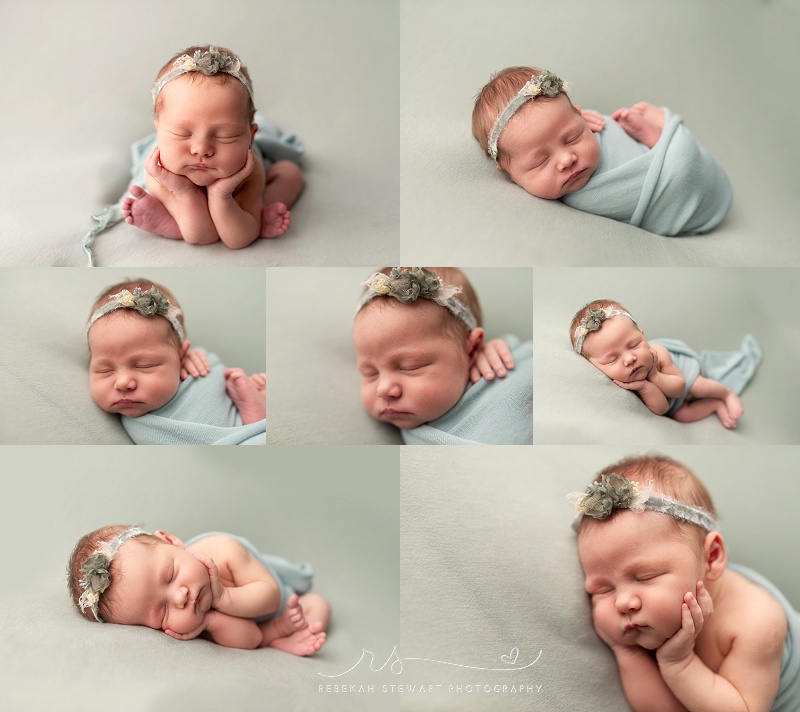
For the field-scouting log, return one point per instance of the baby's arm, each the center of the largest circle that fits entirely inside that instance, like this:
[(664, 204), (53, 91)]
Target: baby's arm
[(642, 683), (493, 359), (256, 593), (665, 374), (223, 629), (238, 219), (186, 202), (649, 393)]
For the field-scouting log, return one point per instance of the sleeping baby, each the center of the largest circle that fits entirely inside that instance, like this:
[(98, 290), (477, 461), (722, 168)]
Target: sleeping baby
[(639, 165), (216, 585), (138, 356), (425, 368), (667, 375), (214, 170)]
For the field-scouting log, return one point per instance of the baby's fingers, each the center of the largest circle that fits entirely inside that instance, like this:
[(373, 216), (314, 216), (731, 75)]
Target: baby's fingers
[(704, 600), (691, 615)]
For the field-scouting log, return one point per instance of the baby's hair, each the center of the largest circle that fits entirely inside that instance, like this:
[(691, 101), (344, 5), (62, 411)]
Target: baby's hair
[(85, 547), (130, 285), (584, 311), (220, 77), (669, 477), (451, 325), (501, 88)]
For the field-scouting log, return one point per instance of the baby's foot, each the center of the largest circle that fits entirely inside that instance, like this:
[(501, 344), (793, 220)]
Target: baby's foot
[(734, 404), (287, 623), (725, 416), (650, 113), (275, 220), (148, 213), (260, 382), (247, 399), (306, 641), (634, 123)]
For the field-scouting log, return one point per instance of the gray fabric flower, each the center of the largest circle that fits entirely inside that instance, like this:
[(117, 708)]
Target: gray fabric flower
[(409, 285), (212, 61), (594, 319), (95, 573), (603, 497), (151, 302)]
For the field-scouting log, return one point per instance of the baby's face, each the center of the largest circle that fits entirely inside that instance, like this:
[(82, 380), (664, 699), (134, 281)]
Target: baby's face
[(637, 571), (411, 372), (134, 367), (618, 348), (202, 130), (162, 586), (550, 148)]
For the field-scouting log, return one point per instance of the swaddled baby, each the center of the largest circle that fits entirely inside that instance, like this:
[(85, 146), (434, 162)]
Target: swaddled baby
[(138, 358), (639, 165)]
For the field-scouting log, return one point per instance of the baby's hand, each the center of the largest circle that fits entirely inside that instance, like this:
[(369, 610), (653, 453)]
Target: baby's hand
[(194, 363), (171, 181), (224, 187), (192, 633), (219, 594), (596, 121), (632, 386), (493, 359), (694, 612), (651, 374)]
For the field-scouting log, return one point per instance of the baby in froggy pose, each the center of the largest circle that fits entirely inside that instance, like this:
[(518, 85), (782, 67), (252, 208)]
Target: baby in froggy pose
[(639, 165), (212, 173), (668, 376), (138, 357), (424, 365), (216, 585), (689, 630)]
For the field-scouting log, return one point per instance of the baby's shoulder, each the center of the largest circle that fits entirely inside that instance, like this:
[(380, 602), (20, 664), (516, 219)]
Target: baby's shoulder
[(219, 546), (748, 618)]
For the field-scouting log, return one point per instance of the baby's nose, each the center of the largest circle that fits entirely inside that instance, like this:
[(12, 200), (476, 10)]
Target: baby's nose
[(125, 381), (182, 596), (388, 387)]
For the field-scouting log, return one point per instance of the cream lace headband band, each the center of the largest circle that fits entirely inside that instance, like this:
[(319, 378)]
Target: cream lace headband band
[(408, 285), (212, 61), (149, 303), (615, 492), (593, 321)]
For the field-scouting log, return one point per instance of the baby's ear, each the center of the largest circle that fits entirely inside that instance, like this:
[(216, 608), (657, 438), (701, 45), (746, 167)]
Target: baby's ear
[(474, 344), (184, 348), (169, 538), (253, 130), (715, 555)]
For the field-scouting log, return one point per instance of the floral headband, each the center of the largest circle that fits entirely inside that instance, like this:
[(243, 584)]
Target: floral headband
[(545, 84), (408, 285), (617, 492), (593, 321), (149, 303), (96, 577), (212, 61)]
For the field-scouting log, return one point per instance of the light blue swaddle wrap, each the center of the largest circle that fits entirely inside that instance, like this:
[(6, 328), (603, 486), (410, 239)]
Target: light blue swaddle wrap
[(675, 188), (496, 412), (200, 413), (733, 369), (788, 697), (291, 578), (270, 144)]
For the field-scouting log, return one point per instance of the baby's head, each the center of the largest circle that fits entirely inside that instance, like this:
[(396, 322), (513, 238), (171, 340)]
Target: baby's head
[(136, 344), (525, 121), (204, 113), (606, 335), (415, 342), (121, 574), (646, 536)]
